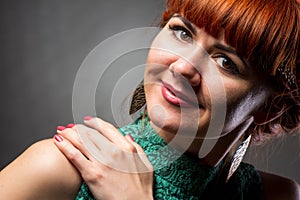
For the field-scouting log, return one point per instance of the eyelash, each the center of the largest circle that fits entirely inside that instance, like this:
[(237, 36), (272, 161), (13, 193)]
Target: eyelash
[(176, 29), (234, 68)]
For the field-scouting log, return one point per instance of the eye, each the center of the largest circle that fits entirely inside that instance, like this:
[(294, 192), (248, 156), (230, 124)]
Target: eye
[(181, 33), (227, 64)]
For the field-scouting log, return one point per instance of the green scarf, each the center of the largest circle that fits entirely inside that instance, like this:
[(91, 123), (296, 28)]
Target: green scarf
[(178, 176)]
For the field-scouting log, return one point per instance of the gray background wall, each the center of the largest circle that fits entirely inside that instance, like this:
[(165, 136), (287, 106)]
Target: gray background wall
[(43, 43)]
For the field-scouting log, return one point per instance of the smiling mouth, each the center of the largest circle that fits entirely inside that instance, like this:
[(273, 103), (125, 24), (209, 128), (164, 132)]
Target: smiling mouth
[(177, 98)]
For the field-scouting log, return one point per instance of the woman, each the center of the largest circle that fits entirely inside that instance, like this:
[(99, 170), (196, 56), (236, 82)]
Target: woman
[(241, 55)]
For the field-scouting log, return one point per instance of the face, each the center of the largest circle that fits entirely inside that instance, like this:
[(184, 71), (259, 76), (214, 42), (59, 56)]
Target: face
[(193, 80)]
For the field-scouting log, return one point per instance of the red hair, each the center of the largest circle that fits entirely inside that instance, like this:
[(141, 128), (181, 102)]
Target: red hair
[(266, 34)]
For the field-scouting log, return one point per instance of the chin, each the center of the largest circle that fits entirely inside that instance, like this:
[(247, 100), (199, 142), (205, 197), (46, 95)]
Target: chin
[(185, 124)]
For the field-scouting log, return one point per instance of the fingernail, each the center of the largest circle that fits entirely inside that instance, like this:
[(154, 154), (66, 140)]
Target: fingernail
[(58, 138), (130, 137), (70, 125), (86, 118), (61, 128)]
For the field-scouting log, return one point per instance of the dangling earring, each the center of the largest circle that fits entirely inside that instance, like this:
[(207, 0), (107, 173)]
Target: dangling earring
[(138, 99), (238, 157)]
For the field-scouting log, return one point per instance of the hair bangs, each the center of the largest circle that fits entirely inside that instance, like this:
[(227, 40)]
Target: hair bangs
[(256, 29)]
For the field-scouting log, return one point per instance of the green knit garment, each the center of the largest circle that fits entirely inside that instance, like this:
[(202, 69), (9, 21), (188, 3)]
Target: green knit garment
[(179, 176)]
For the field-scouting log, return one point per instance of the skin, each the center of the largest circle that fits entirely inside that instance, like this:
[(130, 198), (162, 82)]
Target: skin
[(186, 73), (63, 183), (43, 167)]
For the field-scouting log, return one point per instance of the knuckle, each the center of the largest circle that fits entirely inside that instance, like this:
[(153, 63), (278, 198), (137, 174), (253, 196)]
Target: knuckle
[(116, 153), (106, 125), (131, 149), (139, 149), (70, 132), (78, 127), (66, 132), (126, 148), (151, 168), (117, 157), (73, 155), (93, 176), (103, 124)]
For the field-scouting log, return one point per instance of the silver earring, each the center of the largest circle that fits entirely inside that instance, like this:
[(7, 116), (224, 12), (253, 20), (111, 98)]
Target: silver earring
[(238, 157)]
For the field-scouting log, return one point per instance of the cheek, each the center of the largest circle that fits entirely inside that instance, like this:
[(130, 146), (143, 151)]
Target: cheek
[(158, 62), (160, 57), (154, 63)]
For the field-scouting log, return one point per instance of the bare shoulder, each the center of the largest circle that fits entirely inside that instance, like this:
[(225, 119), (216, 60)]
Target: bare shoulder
[(41, 172), (278, 187), (46, 157)]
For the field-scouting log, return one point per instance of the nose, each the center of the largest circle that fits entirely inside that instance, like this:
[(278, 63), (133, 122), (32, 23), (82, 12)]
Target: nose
[(186, 69)]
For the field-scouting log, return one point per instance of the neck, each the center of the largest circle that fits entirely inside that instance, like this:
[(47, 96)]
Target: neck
[(188, 145)]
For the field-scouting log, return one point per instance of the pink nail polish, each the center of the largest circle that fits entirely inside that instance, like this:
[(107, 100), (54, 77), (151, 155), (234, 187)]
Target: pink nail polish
[(87, 118), (58, 138), (61, 128), (70, 125), (130, 137)]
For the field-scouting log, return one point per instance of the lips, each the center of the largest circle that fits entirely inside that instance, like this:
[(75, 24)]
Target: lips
[(176, 97)]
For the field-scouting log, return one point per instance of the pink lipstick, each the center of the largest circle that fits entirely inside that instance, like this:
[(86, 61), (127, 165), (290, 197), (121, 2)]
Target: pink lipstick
[(174, 97)]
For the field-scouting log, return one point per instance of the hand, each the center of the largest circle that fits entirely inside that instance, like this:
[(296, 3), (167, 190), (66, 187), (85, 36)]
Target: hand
[(112, 165)]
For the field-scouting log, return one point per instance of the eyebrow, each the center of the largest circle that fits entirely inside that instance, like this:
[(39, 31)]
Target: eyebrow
[(225, 48), (187, 23)]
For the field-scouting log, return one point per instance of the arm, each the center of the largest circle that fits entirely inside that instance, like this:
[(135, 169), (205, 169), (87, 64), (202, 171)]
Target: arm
[(277, 187), (41, 172)]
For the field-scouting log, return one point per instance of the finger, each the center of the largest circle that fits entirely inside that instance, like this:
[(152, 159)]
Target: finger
[(71, 125), (71, 134), (109, 131), (141, 153), (103, 150), (97, 145), (71, 153), (138, 148)]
